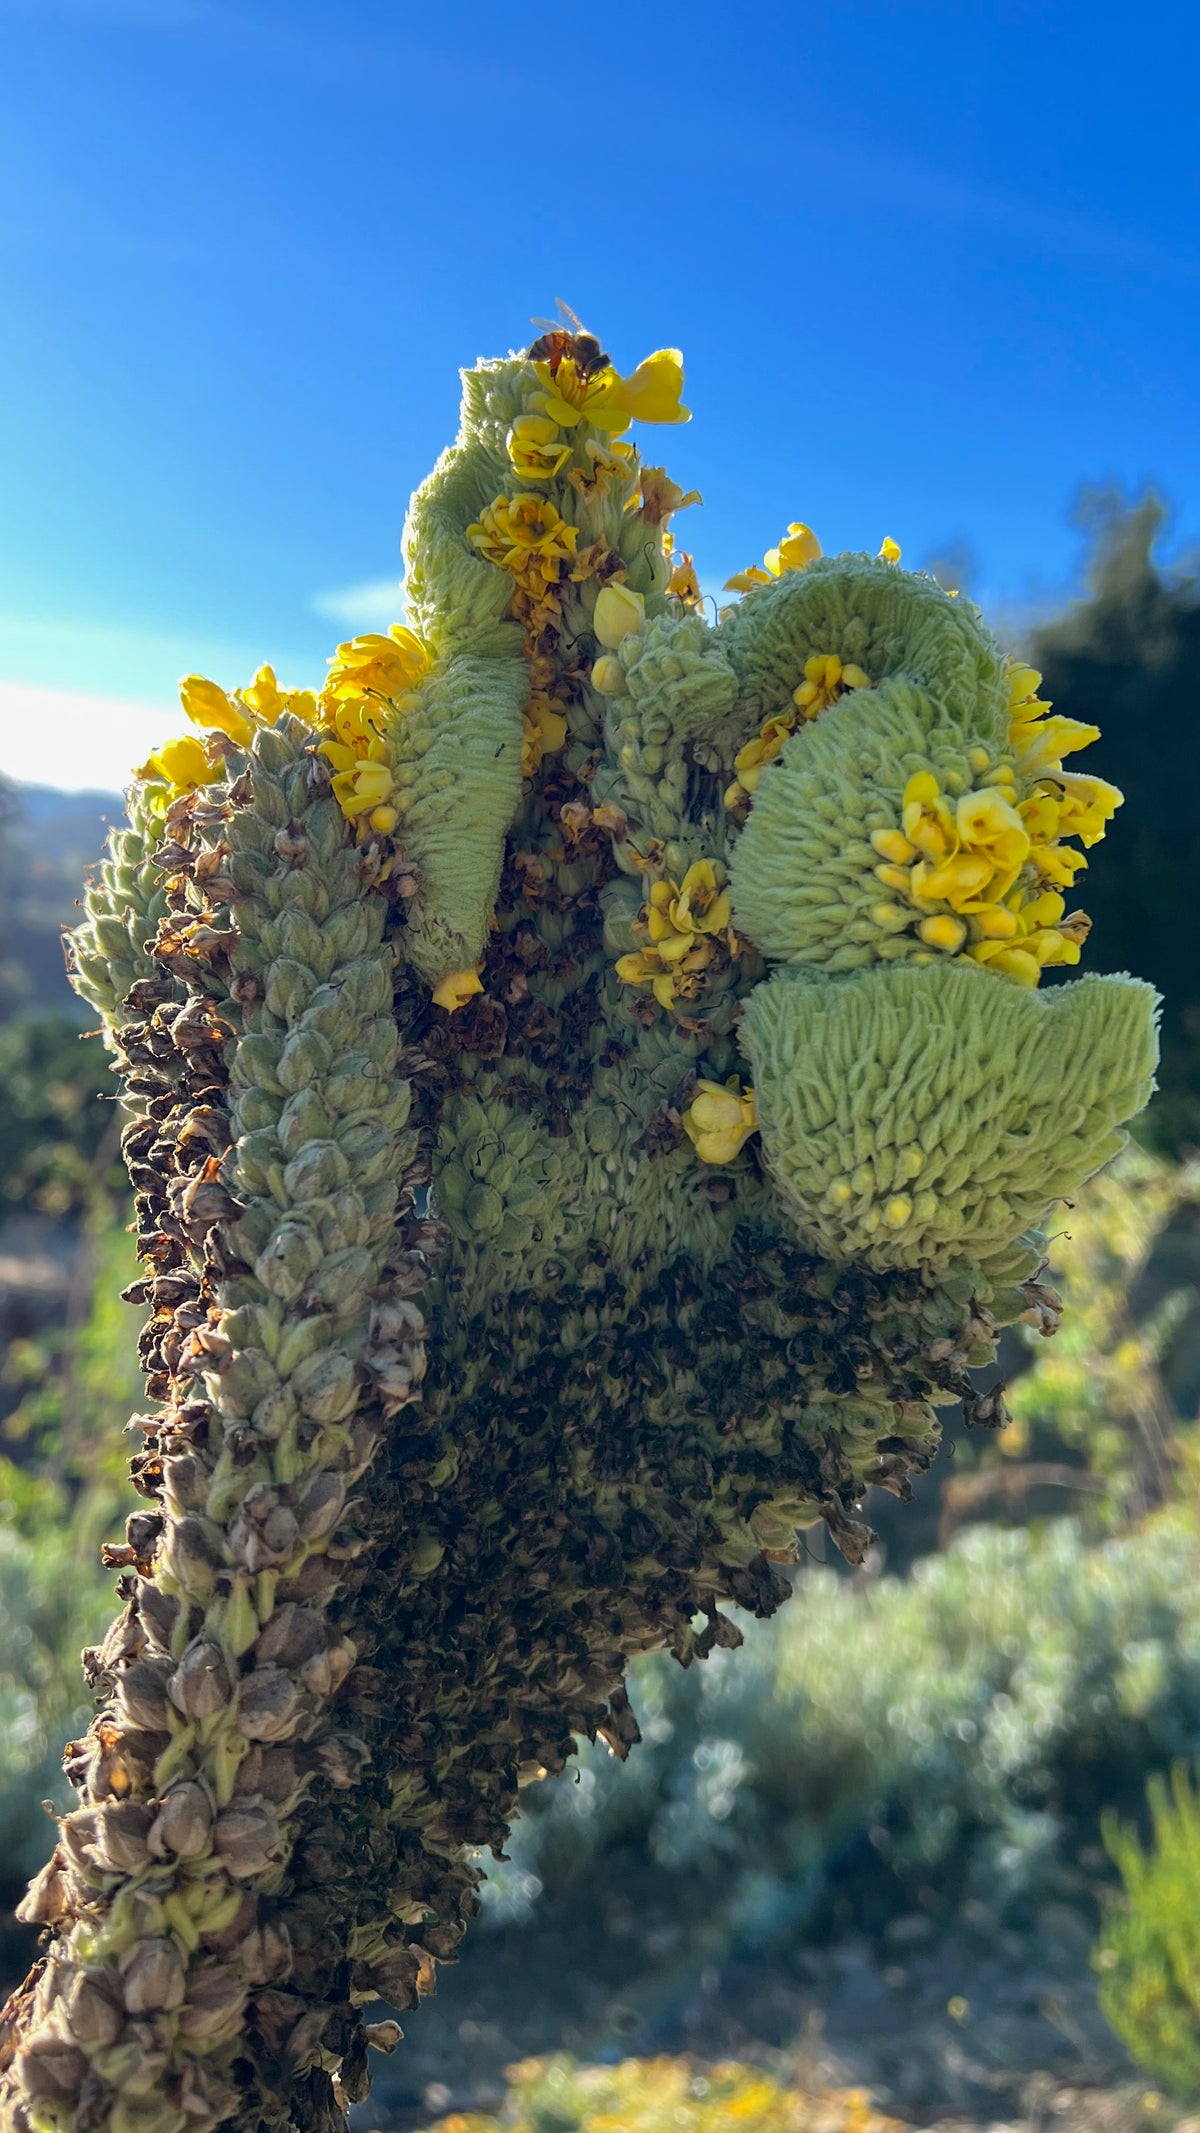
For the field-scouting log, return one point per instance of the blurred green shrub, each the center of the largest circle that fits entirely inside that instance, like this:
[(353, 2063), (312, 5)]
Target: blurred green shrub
[(1127, 658), (557, 2095), (1149, 1953), (59, 1143), (945, 1745)]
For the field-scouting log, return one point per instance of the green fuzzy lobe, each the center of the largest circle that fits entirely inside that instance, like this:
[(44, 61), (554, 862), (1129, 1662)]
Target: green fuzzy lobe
[(973, 1104), (886, 620), (124, 904), (803, 872)]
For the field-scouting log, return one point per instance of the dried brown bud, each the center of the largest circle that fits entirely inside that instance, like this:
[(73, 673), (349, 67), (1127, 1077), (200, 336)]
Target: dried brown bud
[(266, 1704), (292, 1636), (320, 1507), (46, 1900), (95, 2011), (215, 2003), (264, 1532), (124, 1826), (152, 1977), (201, 1684), (183, 1824), (248, 1840), (142, 1689), (342, 1759), (50, 2069)]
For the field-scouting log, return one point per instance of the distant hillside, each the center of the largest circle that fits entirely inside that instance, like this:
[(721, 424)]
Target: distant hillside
[(48, 840)]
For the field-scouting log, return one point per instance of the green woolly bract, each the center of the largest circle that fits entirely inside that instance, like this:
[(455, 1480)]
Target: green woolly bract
[(873, 615), (456, 759), (124, 903), (803, 874), (918, 1117)]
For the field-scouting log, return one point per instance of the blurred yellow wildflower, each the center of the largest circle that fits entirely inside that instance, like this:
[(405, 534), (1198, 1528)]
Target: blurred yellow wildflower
[(889, 551)]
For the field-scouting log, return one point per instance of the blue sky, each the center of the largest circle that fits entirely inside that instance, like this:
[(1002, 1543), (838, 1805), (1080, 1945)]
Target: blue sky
[(931, 266)]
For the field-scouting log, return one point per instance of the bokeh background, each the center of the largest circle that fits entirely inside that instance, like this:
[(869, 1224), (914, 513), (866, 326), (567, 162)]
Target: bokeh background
[(936, 275)]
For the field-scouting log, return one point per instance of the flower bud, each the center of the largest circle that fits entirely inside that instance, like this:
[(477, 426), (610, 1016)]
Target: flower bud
[(94, 2015), (292, 1637), (142, 1689), (247, 1840), (608, 676), (152, 1977), (619, 610), (122, 1834), (215, 2004), (266, 1704), (201, 1684), (183, 1823), (50, 2069)]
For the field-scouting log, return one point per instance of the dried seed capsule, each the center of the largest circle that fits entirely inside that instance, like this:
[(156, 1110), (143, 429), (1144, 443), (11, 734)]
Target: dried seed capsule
[(247, 1840), (183, 1825), (152, 1977), (266, 1704), (201, 1684)]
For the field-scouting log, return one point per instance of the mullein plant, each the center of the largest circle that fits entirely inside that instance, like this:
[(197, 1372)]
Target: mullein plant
[(589, 1103)]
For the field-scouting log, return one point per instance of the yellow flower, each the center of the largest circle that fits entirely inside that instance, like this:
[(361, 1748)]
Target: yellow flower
[(677, 914), (264, 697), (182, 764), (651, 393), (208, 705), (1041, 743), (720, 1119), (619, 612), (355, 722), (825, 679), (363, 788), (647, 967), (798, 547), (750, 762), (1086, 806), (544, 729), (928, 822), (986, 822), (456, 988), (890, 550), (525, 535), (537, 448), (376, 666)]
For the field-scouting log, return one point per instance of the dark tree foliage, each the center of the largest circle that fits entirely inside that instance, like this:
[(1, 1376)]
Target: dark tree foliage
[(1127, 659)]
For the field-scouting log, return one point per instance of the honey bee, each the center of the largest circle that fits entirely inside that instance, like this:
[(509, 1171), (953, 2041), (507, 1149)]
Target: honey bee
[(569, 338)]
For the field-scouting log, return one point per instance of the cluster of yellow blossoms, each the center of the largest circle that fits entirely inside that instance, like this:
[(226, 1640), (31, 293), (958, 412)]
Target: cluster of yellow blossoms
[(530, 538), (367, 676), (184, 764), (980, 872), (688, 925), (798, 547), (825, 679)]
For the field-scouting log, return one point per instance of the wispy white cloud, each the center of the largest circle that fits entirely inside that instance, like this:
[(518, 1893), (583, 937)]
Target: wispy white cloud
[(373, 605), (75, 740)]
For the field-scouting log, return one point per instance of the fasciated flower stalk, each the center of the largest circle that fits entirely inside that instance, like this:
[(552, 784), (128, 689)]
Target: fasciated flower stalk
[(590, 1104)]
